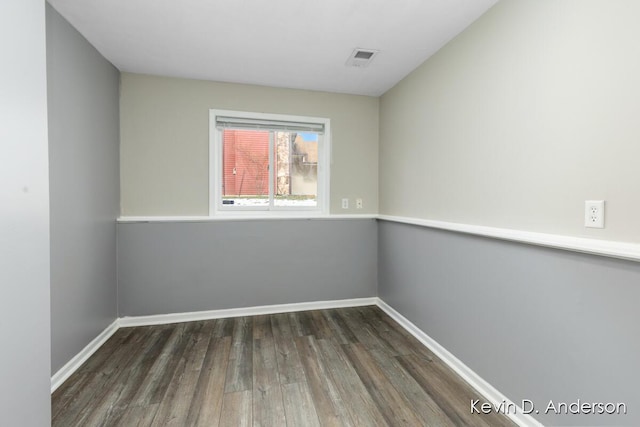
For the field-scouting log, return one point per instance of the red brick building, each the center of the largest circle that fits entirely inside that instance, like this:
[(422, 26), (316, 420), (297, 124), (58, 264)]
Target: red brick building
[(246, 163)]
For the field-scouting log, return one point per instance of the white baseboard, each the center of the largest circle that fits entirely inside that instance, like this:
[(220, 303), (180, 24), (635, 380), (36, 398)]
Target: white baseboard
[(161, 319), (72, 365), (492, 395), (479, 384)]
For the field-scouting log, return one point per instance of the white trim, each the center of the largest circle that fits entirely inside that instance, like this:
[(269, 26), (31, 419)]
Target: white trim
[(623, 250), (247, 217), (608, 248), (272, 164), (72, 365), (162, 319), (474, 380), (215, 163)]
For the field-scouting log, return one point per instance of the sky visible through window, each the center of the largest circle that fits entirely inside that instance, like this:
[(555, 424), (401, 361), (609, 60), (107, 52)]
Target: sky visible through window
[(309, 137)]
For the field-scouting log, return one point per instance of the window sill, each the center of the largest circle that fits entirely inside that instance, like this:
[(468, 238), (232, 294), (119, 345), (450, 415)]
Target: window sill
[(244, 217), (613, 249)]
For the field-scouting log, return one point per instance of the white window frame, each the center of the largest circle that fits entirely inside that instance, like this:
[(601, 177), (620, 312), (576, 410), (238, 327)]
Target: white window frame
[(216, 208)]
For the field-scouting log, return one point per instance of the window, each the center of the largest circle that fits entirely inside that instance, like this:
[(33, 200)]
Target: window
[(268, 162)]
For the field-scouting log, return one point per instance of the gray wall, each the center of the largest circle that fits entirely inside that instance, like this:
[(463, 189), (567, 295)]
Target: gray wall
[(83, 90), (24, 217), (182, 267), (535, 323)]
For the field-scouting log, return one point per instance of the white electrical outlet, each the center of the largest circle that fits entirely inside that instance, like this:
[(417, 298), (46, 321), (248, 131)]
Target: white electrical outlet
[(345, 203), (594, 213), (358, 203)]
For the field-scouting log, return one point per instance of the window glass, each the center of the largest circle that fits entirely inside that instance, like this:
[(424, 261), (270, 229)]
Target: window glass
[(245, 165), (268, 162), (296, 169)]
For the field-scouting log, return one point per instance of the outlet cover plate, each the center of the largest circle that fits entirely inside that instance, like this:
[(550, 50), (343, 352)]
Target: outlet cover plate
[(594, 213)]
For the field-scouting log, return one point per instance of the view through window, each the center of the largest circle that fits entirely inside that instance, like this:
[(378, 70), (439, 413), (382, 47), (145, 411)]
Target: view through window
[(268, 164), (247, 170)]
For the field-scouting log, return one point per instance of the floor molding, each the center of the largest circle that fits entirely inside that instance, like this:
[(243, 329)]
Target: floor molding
[(72, 365), (480, 385), (162, 319), (483, 387)]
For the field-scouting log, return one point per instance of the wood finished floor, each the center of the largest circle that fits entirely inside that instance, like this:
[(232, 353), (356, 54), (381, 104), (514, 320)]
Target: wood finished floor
[(342, 367)]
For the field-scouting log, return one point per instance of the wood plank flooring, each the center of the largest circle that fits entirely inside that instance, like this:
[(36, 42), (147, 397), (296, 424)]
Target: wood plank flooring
[(342, 367)]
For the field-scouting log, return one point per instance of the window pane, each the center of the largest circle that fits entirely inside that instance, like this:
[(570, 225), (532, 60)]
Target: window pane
[(245, 164), (296, 180)]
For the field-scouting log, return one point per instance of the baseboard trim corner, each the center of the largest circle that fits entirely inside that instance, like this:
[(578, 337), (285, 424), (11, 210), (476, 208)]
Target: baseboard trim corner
[(162, 319), (72, 365), (473, 379)]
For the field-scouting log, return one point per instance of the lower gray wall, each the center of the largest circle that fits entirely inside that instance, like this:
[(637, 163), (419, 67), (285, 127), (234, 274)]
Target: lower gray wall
[(25, 384), (183, 267), (83, 90), (536, 323)]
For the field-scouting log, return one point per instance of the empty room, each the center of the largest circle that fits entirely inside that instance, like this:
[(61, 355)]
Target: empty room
[(305, 213)]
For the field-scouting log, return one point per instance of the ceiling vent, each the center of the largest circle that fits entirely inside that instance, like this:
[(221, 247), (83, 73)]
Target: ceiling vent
[(361, 57)]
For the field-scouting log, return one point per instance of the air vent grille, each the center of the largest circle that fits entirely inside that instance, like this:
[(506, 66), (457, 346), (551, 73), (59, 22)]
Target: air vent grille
[(361, 57), (363, 54)]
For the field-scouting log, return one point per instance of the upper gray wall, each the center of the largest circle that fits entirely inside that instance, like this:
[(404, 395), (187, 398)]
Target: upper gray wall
[(536, 323), (183, 267), (515, 123), (24, 217), (83, 91)]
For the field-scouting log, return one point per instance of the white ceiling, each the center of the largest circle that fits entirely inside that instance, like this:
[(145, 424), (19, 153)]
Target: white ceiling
[(301, 44)]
